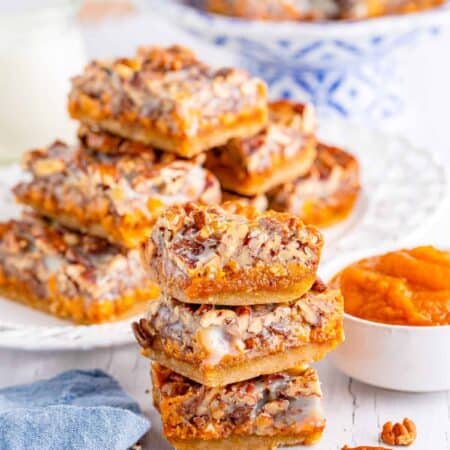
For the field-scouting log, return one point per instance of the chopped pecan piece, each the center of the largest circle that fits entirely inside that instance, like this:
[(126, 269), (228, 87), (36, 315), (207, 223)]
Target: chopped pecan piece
[(403, 433)]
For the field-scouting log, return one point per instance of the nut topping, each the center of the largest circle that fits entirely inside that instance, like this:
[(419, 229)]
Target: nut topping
[(399, 433)]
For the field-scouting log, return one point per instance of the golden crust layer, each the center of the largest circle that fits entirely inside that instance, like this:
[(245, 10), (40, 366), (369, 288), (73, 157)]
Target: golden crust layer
[(165, 97), (265, 365), (251, 442), (76, 309), (232, 255), (285, 404)]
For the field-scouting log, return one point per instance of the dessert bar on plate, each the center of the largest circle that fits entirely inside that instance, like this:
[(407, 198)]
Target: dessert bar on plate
[(232, 255), (326, 194), (70, 275), (115, 196), (167, 98), (284, 150), (257, 414), (218, 345)]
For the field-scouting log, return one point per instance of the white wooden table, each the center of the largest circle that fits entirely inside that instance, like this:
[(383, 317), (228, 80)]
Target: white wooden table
[(355, 411)]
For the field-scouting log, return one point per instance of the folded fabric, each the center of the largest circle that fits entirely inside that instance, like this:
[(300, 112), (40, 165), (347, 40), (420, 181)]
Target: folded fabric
[(75, 410)]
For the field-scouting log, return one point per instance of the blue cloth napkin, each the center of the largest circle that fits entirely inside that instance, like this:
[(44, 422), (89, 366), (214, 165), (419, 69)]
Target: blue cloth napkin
[(79, 410)]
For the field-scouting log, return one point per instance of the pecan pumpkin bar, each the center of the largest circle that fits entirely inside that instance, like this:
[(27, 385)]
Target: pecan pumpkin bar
[(281, 10), (114, 196), (284, 150), (326, 194), (218, 345), (95, 139), (82, 278), (232, 255), (167, 98), (259, 414), (363, 9)]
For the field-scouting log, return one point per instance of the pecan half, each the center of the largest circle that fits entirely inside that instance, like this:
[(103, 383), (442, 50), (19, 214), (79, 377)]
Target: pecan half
[(399, 433)]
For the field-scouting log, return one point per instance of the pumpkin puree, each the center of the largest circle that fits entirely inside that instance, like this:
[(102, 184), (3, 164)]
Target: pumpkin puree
[(405, 287)]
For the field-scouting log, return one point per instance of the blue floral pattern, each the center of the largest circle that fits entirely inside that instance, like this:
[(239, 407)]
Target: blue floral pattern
[(340, 77)]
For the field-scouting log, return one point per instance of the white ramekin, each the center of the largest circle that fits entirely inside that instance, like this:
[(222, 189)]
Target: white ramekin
[(402, 358)]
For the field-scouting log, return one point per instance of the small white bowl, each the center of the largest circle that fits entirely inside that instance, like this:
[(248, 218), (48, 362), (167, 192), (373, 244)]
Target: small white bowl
[(402, 358)]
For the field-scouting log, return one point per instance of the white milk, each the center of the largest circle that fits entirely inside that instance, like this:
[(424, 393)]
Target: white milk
[(40, 49)]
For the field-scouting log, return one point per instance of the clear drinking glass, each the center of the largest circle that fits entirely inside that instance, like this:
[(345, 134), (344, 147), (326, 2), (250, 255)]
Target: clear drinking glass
[(41, 48)]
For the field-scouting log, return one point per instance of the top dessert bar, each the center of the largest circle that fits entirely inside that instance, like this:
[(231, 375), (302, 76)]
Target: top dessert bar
[(232, 255), (284, 150), (167, 98), (115, 196)]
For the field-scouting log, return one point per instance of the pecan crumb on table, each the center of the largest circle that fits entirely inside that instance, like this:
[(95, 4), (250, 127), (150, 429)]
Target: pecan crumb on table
[(399, 433)]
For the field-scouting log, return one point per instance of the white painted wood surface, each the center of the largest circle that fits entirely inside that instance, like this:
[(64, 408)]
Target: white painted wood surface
[(355, 412)]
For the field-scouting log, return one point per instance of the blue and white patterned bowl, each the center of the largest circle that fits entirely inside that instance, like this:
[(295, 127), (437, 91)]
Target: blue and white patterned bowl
[(348, 69)]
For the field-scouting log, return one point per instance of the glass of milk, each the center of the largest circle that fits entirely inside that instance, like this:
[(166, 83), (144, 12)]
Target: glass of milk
[(40, 50)]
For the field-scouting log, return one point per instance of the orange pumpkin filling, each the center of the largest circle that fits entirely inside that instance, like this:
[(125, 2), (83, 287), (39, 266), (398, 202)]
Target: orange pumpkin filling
[(406, 287)]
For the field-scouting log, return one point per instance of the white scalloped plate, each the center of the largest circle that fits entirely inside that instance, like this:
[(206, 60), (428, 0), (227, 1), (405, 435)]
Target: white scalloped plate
[(403, 189)]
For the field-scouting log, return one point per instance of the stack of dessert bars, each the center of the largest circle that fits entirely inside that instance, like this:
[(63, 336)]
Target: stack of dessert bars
[(241, 315)]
